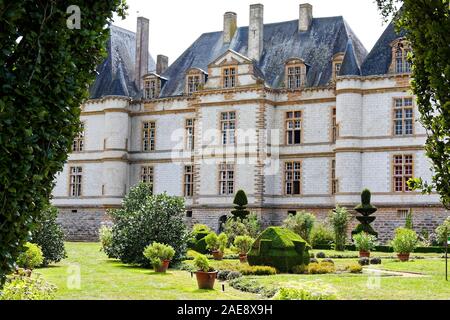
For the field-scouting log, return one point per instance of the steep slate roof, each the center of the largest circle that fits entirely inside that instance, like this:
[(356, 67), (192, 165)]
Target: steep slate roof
[(326, 37), (380, 57), (116, 73)]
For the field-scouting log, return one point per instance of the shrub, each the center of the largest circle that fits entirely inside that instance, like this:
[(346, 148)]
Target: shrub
[(246, 284), (196, 238), (405, 240), (409, 220), (306, 291), (49, 236), (364, 241), (31, 258), (313, 260), (105, 235), (233, 275), (249, 226), (364, 261), (223, 274), (156, 253), (280, 248), (301, 223), (258, 270), (321, 268), (223, 240), (300, 269), (187, 267), (320, 255), (201, 262), (243, 243), (212, 241), (147, 218), (375, 261), (20, 286), (340, 218), (200, 228), (240, 206), (443, 231), (321, 234), (354, 268), (328, 260)]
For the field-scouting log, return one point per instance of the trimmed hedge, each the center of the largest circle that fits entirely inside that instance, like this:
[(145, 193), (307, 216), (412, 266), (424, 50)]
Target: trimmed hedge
[(351, 247), (280, 248)]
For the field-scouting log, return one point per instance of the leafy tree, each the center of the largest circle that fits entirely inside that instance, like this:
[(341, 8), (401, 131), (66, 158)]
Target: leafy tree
[(339, 219), (301, 223), (45, 71), (427, 27), (240, 209), (409, 220)]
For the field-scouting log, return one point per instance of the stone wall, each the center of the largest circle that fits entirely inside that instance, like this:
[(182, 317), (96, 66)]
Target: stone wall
[(82, 224)]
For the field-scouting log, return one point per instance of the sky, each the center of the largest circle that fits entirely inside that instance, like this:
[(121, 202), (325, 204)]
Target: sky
[(176, 24)]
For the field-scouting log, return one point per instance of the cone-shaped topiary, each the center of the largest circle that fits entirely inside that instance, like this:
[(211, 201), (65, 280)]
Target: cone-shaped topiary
[(280, 248), (365, 209), (240, 209)]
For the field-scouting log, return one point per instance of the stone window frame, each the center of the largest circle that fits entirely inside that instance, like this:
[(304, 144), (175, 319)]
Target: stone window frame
[(189, 137), (333, 178), (194, 73), (186, 183), (152, 87), (403, 107), (151, 142), (400, 48), (78, 143), (338, 59), (75, 187), (334, 132), (229, 76), (404, 177), (224, 167), (297, 78), (293, 172), (287, 130), (402, 213), (147, 175), (223, 131)]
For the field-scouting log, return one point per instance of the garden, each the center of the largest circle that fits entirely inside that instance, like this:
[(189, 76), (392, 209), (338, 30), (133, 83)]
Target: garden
[(148, 252)]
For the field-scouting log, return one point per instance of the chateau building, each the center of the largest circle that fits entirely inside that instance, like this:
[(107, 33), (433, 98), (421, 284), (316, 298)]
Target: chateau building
[(297, 113)]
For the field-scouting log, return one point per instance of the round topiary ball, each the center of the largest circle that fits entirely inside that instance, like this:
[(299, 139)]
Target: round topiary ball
[(313, 260), (375, 261), (233, 275), (364, 261), (320, 255)]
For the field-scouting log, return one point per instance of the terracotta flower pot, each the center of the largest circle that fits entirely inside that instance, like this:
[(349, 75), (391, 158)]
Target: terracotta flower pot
[(218, 255), (364, 254), (163, 267), (403, 256), (206, 280), (243, 257)]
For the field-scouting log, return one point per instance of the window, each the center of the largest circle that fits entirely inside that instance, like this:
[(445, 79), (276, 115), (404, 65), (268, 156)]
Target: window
[(147, 176), (189, 214), (334, 181), (337, 68), (402, 172), (403, 116), (293, 127), (400, 50), (292, 213), (188, 181), (189, 128), (78, 142), (226, 179), (152, 88), (75, 181), (292, 177), (334, 129), (402, 213), (229, 77), (148, 136), (228, 127), (337, 64), (193, 84), (296, 77)]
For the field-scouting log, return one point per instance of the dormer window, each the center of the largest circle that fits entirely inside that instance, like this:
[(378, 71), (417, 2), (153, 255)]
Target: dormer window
[(400, 50), (152, 85), (229, 77), (195, 80), (295, 74), (337, 64), (193, 84)]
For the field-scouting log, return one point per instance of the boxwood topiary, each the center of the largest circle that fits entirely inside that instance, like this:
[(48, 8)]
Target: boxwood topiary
[(280, 248)]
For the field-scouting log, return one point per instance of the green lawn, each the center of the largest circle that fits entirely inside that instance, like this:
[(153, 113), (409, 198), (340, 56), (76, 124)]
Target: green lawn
[(102, 278)]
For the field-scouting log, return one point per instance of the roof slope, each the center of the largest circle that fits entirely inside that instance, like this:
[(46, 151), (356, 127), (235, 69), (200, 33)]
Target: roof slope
[(380, 57), (326, 37), (116, 73)]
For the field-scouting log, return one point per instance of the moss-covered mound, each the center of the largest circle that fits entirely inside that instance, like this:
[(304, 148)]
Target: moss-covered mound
[(280, 248)]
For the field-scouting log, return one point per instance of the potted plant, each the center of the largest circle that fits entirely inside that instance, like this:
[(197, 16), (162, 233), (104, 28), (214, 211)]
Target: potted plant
[(159, 255), (243, 244), (216, 244), (365, 243), (206, 275), (404, 242)]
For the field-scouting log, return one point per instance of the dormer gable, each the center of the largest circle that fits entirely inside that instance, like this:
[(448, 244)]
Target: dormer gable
[(195, 80), (295, 73), (153, 83), (400, 49)]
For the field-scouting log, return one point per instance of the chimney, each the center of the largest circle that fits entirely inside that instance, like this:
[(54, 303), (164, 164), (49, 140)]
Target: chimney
[(141, 62), (162, 63), (305, 18), (229, 26), (256, 31)]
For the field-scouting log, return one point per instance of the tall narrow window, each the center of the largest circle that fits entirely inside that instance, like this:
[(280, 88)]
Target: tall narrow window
[(400, 61), (226, 179), (403, 116), (75, 181), (292, 177), (295, 76), (148, 136), (189, 127), (188, 181), (402, 172), (78, 142), (229, 77), (147, 176), (333, 125), (151, 88), (228, 127), (334, 181), (193, 84), (293, 127)]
